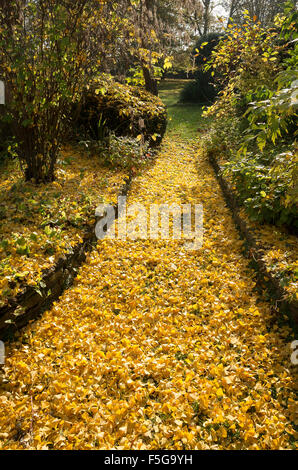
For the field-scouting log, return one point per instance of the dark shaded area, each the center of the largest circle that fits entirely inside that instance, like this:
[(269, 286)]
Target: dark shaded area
[(204, 88)]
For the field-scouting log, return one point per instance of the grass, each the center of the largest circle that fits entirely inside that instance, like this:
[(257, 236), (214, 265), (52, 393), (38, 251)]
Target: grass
[(185, 120)]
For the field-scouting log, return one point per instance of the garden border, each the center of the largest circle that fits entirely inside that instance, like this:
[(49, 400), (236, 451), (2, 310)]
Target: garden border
[(255, 252), (31, 302)]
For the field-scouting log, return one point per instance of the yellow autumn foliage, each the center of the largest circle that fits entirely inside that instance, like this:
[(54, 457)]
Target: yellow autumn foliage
[(156, 347), (39, 224)]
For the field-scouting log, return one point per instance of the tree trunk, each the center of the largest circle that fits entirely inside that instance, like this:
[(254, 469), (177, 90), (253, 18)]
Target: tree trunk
[(34, 172), (206, 16), (233, 8), (150, 82)]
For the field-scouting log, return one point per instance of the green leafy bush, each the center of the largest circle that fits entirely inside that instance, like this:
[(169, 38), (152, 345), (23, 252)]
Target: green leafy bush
[(264, 184), (254, 129), (126, 152), (126, 110), (203, 89), (120, 151)]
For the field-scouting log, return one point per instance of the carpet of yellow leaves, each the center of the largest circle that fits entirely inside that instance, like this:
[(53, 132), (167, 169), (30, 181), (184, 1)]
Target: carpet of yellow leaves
[(154, 346), (280, 255), (39, 224)]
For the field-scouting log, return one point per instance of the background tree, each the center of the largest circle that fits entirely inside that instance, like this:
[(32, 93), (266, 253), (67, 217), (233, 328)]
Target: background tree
[(166, 28), (263, 10), (157, 29)]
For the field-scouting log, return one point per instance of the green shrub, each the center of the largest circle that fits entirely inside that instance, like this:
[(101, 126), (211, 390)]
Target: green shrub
[(264, 184), (120, 151), (254, 129), (204, 88), (201, 90), (126, 111), (126, 152)]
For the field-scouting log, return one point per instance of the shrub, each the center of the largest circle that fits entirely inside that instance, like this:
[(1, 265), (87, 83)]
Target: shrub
[(201, 90), (125, 152), (119, 151), (264, 184), (204, 48), (254, 131), (126, 110), (204, 88)]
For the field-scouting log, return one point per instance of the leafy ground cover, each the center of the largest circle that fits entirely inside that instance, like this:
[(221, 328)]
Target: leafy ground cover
[(279, 246), (38, 224), (156, 347)]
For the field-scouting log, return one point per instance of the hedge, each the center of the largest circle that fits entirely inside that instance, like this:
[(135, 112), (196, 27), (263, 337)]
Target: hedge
[(126, 110)]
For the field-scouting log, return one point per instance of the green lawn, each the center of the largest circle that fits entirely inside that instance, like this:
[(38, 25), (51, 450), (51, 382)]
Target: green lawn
[(185, 120)]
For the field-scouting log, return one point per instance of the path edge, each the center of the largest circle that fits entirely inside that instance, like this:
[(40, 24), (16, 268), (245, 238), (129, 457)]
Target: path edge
[(255, 251), (29, 304)]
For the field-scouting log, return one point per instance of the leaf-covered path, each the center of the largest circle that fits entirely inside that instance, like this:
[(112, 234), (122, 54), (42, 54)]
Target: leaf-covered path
[(155, 346)]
